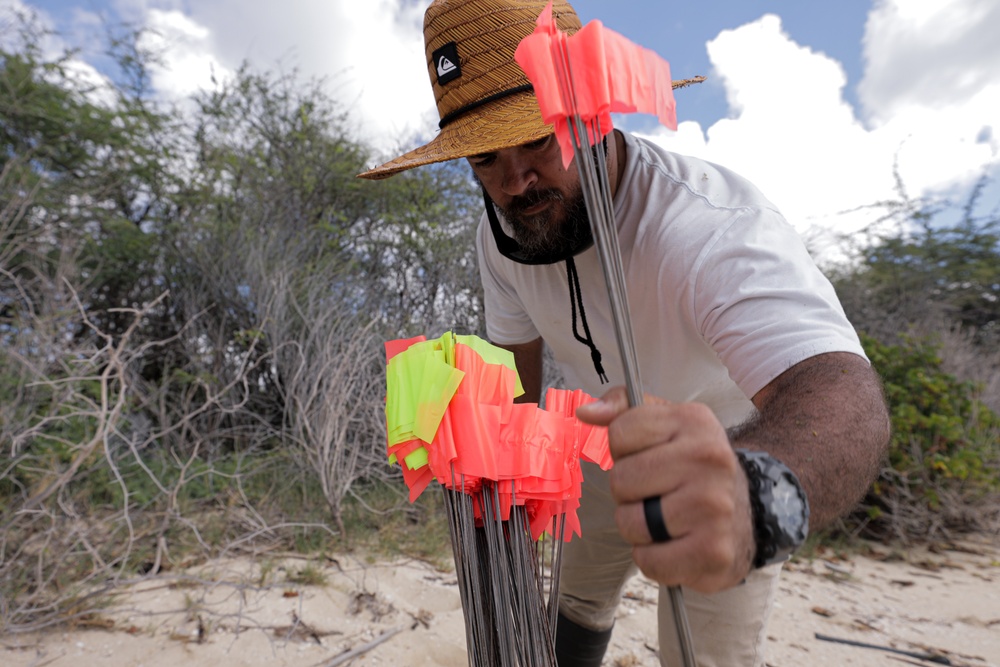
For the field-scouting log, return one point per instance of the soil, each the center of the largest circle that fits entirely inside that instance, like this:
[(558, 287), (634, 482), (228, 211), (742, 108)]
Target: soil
[(941, 602)]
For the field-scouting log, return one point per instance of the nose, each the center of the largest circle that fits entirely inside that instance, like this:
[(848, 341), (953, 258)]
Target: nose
[(519, 174)]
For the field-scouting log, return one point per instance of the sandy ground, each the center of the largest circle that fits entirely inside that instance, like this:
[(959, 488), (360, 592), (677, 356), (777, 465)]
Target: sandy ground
[(944, 602)]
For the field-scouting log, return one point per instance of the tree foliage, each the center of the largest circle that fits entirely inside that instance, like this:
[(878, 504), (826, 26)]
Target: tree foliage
[(943, 472), (926, 295), (927, 272), (192, 310)]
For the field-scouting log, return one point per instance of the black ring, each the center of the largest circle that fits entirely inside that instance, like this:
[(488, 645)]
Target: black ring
[(654, 519)]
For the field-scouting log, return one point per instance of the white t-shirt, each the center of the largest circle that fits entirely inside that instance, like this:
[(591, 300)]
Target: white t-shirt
[(723, 295)]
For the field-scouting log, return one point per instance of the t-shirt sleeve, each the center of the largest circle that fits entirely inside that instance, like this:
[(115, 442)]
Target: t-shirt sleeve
[(507, 321), (762, 303)]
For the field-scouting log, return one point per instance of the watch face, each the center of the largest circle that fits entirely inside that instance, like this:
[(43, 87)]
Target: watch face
[(779, 505), (788, 506)]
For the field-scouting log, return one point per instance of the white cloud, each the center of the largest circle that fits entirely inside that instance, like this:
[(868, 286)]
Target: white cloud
[(932, 86), (792, 133), (52, 48), (365, 50), (12, 6), (185, 62), (10, 11), (922, 53)]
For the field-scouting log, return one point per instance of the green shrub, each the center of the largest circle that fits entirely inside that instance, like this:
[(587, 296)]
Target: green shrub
[(943, 472)]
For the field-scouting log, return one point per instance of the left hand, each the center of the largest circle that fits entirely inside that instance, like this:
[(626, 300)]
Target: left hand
[(680, 453)]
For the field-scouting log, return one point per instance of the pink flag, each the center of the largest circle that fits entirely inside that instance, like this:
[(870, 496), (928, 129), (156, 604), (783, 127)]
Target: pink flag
[(592, 74), (464, 431)]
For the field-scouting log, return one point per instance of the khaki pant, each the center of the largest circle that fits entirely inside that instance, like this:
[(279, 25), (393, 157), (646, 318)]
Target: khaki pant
[(727, 628)]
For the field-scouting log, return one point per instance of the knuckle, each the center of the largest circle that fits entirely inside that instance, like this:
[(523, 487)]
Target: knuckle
[(617, 483), (623, 522), (650, 566), (713, 457), (616, 433), (697, 412), (720, 456), (721, 505), (718, 557)]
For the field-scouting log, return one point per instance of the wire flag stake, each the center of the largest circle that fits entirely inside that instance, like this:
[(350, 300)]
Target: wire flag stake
[(510, 473), (579, 81)]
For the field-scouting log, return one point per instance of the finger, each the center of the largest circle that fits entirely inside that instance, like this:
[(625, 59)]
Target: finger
[(605, 409), (659, 423), (609, 406), (662, 469), (705, 553), (688, 562), (686, 511), (633, 527), (654, 471)]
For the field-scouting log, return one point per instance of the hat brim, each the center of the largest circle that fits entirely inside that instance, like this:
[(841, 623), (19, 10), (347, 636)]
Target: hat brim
[(504, 123)]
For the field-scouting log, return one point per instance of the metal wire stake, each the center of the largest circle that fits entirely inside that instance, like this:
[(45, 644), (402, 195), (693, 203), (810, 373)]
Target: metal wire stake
[(596, 188)]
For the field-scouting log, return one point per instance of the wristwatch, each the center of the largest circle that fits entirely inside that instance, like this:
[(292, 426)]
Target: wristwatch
[(778, 505)]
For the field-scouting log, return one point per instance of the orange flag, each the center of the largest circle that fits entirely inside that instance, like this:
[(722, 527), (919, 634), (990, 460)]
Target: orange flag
[(592, 74), (451, 417)]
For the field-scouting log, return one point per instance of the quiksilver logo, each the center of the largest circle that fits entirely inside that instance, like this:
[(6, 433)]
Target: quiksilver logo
[(447, 64)]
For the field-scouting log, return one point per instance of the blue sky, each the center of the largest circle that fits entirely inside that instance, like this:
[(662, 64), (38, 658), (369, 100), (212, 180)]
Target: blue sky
[(818, 103), (679, 31)]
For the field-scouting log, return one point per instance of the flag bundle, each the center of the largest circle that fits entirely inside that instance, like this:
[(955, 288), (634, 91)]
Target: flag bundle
[(451, 417), (510, 473)]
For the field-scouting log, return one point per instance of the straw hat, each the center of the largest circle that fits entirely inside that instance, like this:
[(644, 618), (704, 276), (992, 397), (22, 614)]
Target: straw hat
[(484, 99)]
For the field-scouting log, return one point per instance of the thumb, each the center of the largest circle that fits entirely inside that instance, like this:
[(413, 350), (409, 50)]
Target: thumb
[(604, 410)]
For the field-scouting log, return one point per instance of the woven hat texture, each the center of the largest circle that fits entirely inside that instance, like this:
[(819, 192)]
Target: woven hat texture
[(483, 97)]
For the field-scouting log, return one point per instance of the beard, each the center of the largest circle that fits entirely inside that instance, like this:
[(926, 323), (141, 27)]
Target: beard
[(560, 231)]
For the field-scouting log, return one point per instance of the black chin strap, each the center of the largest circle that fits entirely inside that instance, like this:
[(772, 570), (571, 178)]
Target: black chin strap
[(511, 249), (576, 299)]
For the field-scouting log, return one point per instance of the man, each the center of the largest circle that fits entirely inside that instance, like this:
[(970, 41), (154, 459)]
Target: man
[(746, 356)]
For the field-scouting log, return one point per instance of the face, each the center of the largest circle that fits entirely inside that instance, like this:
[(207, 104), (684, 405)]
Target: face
[(541, 201)]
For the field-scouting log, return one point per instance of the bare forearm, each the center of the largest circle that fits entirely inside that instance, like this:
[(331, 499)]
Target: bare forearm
[(826, 419)]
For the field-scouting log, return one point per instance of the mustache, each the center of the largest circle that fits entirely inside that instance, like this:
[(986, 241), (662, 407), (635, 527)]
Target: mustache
[(531, 198)]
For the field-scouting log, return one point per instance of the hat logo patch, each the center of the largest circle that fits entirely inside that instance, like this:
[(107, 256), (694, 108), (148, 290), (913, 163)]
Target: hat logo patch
[(445, 66), (446, 63)]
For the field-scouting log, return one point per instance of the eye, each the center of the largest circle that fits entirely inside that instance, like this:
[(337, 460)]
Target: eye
[(538, 144), (481, 161)]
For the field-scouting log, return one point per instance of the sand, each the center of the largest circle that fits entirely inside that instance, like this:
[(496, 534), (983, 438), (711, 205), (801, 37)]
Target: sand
[(407, 612)]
